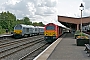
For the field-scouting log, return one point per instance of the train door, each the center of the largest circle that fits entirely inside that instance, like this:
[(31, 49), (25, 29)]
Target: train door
[(27, 31), (59, 31), (24, 31)]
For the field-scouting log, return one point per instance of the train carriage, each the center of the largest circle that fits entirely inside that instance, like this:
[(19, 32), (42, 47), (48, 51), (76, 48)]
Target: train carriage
[(36, 30), (41, 30)]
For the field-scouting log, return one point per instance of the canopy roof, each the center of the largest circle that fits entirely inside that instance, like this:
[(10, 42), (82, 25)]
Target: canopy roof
[(73, 20)]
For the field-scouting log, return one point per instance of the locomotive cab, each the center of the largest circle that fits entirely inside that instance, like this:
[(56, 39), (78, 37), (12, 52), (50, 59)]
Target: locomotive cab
[(51, 32)]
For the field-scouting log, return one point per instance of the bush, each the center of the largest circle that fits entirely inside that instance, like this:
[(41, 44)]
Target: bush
[(78, 31), (2, 31), (82, 37)]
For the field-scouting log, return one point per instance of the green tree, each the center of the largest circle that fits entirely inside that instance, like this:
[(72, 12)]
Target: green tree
[(38, 24), (19, 21), (7, 20), (35, 24), (27, 21), (41, 24)]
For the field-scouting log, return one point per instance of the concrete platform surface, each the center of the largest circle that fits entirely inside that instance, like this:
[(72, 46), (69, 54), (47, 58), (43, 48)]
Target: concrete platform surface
[(5, 35), (68, 50)]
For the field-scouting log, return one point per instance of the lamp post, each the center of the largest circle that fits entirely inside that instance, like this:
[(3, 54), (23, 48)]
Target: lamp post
[(81, 8)]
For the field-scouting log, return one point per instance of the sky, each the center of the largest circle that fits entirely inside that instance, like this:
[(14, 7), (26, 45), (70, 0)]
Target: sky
[(45, 11)]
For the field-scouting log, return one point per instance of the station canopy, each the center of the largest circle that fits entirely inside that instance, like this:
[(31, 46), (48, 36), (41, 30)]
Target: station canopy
[(72, 22)]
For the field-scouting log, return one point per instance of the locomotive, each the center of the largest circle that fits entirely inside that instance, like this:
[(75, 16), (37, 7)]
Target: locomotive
[(22, 30), (52, 32)]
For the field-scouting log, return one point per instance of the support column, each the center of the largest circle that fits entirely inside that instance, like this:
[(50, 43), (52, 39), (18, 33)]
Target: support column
[(77, 26)]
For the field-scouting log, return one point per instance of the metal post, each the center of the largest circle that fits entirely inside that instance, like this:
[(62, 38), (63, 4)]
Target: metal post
[(81, 8), (81, 23)]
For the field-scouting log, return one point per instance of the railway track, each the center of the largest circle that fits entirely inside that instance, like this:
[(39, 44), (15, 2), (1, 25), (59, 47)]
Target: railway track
[(12, 50), (27, 42), (8, 43), (12, 39), (6, 39), (31, 55)]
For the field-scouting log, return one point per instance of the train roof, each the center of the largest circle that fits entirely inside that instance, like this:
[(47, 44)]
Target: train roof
[(41, 27), (27, 26), (59, 24)]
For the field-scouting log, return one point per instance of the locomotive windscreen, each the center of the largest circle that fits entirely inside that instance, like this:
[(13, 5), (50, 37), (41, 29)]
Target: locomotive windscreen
[(18, 27), (50, 28)]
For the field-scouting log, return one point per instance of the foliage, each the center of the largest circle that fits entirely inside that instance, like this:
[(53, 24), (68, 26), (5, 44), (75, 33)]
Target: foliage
[(82, 37), (41, 24), (0, 27), (8, 21), (2, 31), (77, 32), (37, 24)]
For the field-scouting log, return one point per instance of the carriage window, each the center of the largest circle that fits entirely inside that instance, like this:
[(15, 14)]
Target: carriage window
[(23, 29), (35, 29), (27, 29), (50, 28)]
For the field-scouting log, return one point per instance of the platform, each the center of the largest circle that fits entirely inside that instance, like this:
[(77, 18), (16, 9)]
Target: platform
[(7, 34), (66, 49), (4, 36)]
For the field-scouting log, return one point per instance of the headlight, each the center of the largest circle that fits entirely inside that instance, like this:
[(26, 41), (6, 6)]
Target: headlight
[(46, 34), (46, 37), (54, 37)]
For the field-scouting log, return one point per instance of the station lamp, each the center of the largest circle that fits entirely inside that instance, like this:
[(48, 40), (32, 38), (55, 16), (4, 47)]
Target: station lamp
[(81, 8)]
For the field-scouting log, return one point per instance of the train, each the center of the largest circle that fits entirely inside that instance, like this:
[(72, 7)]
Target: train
[(22, 30), (53, 31), (86, 29)]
